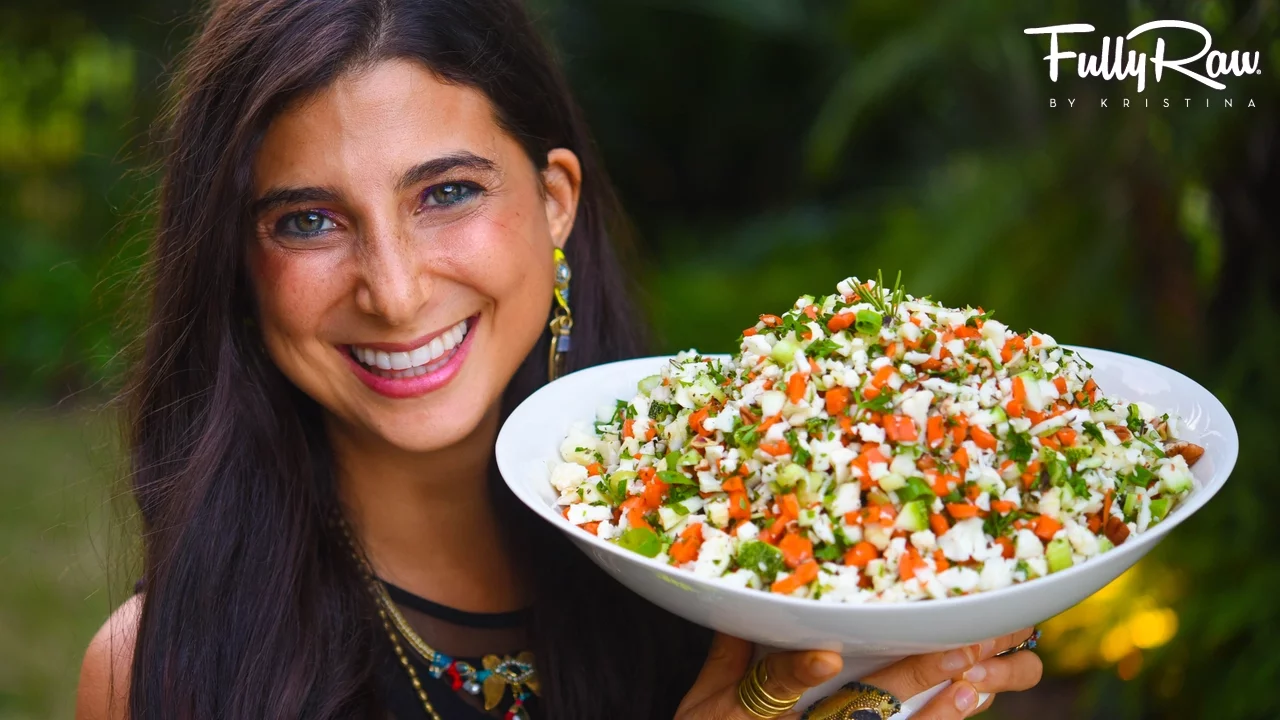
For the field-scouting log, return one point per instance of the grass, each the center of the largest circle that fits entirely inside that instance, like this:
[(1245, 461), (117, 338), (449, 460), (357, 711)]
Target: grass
[(62, 552)]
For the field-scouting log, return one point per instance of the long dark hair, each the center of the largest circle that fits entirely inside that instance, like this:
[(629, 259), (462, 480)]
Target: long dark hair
[(253, 606)]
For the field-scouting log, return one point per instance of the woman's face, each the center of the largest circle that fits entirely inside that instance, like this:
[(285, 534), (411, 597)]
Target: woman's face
[(402, 252)]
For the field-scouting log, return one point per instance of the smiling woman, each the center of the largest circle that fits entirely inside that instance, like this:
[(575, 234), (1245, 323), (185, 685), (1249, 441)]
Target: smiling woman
[(363, 208)]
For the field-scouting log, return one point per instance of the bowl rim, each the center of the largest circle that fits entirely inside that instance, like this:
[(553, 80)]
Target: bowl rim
[(1204, 492)]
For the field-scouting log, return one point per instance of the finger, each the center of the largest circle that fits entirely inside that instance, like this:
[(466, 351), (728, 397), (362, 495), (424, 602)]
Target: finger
[(791, 673), (787, 675), (726, 663), (1005, 642), (913, 675), (1012, 673), (986, 704), (958, 700)]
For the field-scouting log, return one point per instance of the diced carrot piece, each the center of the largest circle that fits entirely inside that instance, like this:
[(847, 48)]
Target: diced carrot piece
[(934, 431), (960, 430), (846, 424), (1061, 384), (813, 367), (635, 517), (940, 560), (805, 574), (900, 428), (837, 399), (696, 418), (938, 523), (627, 426), (739, 505), (771, 320), (594, 469), (749, 331), (1014, 408), (861, 554), (796, 386), (790, 506), (776, 447), (1007, 545), (1003, 506), (962, 511), (650, 432), (796, 549), (810, 311), (686, 548), (1051, 442), (1046, 527), (841, 321), (1011, 346), (591, 527), (1094, 523), (655, 490), (973, 492), (1036, 417), (982, 438), (961, 458), (967, 333), (733, 484), (1066, 436), (943, 484), (909, 563), (882, 376), (1106, 505)]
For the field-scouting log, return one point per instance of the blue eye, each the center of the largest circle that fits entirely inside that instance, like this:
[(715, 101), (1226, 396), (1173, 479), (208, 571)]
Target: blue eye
[(449, 194), (305, 224)]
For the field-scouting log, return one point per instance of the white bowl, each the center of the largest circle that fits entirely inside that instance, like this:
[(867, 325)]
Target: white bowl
[(868, 635)]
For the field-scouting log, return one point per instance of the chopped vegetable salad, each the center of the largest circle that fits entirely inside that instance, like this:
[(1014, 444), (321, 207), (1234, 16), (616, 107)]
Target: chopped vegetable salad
[(870, 446)]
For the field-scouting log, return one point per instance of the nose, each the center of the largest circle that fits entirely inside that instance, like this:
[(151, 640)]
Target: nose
[(395, 281)]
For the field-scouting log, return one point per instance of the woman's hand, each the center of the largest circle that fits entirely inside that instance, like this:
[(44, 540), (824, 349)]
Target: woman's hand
[(714, 696)]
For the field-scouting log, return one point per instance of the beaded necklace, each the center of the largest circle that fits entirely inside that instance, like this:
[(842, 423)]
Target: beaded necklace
[(496, 675)]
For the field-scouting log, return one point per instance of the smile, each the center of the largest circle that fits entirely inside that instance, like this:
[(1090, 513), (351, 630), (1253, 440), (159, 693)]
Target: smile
[(428, 357)]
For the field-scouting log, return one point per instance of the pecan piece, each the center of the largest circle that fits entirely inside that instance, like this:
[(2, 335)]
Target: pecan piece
[(1117, 531), (1190, 452)]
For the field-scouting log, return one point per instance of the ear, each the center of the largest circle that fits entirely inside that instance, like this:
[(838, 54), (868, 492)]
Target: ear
[(562, 184)]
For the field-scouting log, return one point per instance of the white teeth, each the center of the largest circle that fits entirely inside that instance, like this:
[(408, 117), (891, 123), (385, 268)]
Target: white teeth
[(416, 362), (421, 356)]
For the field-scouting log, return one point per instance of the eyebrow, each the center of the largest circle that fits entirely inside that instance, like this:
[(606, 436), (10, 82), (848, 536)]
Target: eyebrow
[(421, 172), (443, 164)]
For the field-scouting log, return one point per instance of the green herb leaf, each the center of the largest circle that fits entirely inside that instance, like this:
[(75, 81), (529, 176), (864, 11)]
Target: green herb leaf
[(672, 477), (761, 558), (641, 540)]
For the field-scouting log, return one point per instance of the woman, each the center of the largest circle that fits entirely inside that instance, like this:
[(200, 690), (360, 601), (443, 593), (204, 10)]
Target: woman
[(353, 273)]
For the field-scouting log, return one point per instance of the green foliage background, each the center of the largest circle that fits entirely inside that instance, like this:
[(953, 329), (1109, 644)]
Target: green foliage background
[(765, 149)]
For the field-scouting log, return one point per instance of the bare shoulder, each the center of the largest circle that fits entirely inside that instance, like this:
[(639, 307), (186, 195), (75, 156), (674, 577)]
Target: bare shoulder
[(104, 674)]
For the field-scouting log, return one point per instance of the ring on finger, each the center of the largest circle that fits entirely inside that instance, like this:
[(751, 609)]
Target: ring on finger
[(1028, 644), (758, 701), (855, 701)]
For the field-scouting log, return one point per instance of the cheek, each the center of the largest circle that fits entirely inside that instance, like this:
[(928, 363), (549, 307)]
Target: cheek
[(293, 291), (509, 261)]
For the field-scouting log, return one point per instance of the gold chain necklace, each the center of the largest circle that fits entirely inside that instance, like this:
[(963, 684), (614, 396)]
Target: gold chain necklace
[(497, 675)]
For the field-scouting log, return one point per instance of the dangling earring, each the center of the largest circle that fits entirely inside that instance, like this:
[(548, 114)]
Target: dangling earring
[(562, 318)]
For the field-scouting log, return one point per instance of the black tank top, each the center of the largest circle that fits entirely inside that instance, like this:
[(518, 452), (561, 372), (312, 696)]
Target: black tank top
[(461, 635)]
